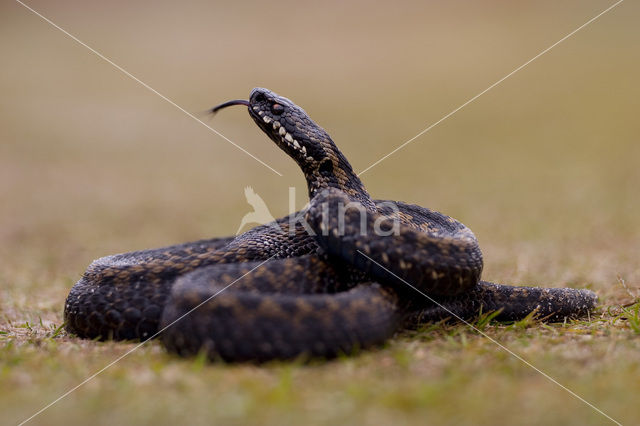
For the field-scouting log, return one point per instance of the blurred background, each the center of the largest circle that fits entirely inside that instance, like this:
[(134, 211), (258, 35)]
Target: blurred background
[(544, 167), (92, 162)]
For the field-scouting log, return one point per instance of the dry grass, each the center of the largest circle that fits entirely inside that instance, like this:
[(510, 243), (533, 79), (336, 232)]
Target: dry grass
[(544, 168)]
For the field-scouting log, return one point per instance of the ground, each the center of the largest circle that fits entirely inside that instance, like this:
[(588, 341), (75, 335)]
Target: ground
[(543, 167)]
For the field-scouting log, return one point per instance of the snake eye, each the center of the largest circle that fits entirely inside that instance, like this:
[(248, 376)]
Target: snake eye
[(277, 109)]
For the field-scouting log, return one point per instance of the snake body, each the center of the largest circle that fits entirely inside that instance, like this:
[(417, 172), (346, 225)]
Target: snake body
[(324, 281)]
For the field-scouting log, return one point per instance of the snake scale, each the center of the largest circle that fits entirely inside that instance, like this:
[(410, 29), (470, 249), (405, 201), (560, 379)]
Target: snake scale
[(328, 280)]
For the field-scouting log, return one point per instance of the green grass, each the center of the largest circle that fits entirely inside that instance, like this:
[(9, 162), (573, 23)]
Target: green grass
[(544, 169), (439, 375)]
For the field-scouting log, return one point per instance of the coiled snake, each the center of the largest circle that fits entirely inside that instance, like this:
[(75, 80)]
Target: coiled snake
[(345, 273)]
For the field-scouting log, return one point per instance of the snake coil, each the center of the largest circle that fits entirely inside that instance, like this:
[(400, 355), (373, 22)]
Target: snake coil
[(327, 280)]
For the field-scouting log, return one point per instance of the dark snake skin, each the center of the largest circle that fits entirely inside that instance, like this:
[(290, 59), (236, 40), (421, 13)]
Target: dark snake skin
[(344, 274)]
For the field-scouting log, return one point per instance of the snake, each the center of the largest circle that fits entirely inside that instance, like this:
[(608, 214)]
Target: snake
[(343, 274)]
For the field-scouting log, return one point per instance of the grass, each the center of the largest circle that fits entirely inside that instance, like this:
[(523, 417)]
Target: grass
[(427, 375), (543, 168)]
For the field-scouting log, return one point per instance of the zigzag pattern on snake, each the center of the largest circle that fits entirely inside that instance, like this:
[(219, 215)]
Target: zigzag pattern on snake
[(333, 279)]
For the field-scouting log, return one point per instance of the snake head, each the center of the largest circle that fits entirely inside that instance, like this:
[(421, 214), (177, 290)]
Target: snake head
[(302, 139), (288, 126)]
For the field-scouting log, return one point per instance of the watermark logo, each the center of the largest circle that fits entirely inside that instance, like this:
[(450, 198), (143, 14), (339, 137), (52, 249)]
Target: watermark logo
[(260, 214), (364, 223)]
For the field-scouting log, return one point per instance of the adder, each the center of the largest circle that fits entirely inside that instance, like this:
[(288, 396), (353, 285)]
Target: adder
[(343, 274)]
